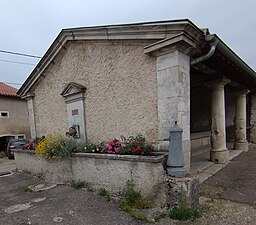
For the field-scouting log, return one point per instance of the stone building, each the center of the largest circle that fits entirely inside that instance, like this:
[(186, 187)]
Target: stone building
[(140, 78), (13, 115)]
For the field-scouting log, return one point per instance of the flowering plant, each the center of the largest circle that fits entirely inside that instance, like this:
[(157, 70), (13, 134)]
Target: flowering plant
[(59, 146), (126, 146), (56, 146)]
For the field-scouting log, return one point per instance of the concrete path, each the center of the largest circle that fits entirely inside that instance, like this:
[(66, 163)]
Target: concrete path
[(57, 205), (6, 166), (237, 181)]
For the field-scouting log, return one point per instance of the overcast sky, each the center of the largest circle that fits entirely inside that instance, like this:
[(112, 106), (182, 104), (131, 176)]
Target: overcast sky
[(30, 26)]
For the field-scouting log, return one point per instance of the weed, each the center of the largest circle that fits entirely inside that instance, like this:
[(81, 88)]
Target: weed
[(132, 200), (210, 194), (27, 189), (159, 217), (184, 212), (2, 155), (139, 215), (104, 193), (130, 195), (81, 184)]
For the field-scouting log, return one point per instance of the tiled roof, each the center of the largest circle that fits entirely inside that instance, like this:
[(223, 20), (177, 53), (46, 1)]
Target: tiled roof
[(7, 90)]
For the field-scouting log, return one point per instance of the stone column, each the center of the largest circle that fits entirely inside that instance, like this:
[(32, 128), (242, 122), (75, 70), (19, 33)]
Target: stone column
[(253, 119), (240, 121), (219, 152), (173, 79), (31, 114)]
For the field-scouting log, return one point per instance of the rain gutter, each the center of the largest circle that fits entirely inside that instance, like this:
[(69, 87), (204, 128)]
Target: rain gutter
[(217, 44)]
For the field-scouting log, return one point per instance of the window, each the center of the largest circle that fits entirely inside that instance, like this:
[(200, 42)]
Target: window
[(4, 114)]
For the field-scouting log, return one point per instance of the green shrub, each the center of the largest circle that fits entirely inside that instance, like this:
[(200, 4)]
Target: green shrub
[(80, 184), (130, 196), (184, 212), (104, 193), (132, 201)]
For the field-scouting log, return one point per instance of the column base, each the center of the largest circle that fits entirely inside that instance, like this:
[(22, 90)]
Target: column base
[(219, 156), (176, 171), (241, 146)]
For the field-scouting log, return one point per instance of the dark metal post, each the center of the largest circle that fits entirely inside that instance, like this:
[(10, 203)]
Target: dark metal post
[(175, 161)]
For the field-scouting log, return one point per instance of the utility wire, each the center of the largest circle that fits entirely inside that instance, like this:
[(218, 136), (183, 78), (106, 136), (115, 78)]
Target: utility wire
[(8, 61), (20, 54)]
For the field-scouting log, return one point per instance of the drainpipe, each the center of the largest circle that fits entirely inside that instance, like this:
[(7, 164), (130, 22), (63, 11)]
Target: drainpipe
[(213, 44)]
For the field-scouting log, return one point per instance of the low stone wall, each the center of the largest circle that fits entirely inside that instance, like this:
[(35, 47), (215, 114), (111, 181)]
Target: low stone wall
[(112, 172), (200, 140), (101, 170), (53, 171)]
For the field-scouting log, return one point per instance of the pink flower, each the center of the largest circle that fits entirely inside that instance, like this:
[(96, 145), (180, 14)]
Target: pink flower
[(142, 153), (109, 146), (140, 143), (133, 143), (138, 148)]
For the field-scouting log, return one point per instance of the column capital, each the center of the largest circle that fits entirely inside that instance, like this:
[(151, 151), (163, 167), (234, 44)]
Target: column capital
[(28, 96), (240, 92), (218, 82), (181, 42)]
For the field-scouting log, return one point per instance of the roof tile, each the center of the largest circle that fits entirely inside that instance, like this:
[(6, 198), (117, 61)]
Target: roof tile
[(7, 90)]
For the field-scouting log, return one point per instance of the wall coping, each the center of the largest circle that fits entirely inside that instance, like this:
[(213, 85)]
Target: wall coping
[(136, 158)]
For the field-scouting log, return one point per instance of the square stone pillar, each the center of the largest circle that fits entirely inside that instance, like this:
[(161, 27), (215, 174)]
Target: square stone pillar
[(173, 79), (31, 115), (173, 82)]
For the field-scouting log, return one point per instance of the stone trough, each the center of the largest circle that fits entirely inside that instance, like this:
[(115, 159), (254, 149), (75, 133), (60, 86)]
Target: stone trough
[(110, 172)]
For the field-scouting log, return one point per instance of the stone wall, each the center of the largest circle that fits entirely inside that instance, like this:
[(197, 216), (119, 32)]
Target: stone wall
[(200, 141), (17, 123), (121, 95), (102, 171)]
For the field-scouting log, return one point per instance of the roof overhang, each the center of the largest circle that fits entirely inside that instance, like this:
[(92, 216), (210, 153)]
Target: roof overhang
[(225, 62), (164, 35), (157, 31)]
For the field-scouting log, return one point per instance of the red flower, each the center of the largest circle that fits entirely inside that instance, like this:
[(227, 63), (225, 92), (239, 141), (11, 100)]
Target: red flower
[(138, 148), (140, 143), (133, 142), (142, 153), (151, 153), (116, 150)]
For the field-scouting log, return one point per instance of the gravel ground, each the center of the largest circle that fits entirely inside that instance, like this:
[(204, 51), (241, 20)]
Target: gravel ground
[(218, 211)]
